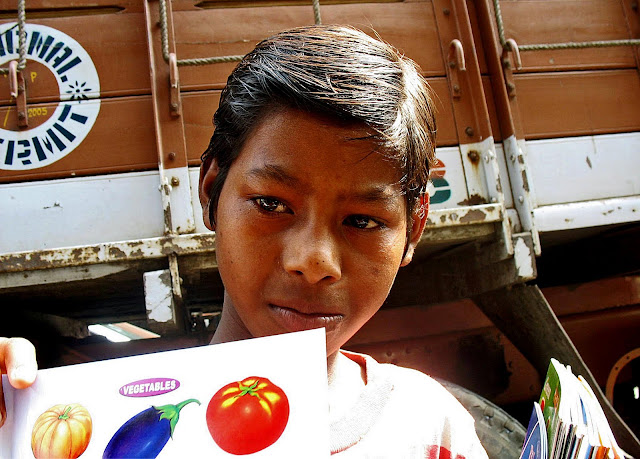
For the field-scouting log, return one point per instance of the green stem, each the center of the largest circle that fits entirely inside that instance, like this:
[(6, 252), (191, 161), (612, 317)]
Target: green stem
[(65, 415), (172, 412)]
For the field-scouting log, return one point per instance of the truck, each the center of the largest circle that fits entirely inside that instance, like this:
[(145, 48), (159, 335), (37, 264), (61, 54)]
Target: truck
[(532, 244)]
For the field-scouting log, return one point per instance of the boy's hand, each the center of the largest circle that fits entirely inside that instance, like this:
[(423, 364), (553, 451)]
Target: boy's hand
[(18, 362)]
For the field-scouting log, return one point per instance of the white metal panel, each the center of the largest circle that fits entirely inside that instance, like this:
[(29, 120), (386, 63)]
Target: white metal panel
[(80, 211), (448, 188), (587, 214), (584, 168)]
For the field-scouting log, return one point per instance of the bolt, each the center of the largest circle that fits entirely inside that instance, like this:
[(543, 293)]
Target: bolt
[(175, 181), (511, 86), (473, 156), (452, 65), (456, 88), (469, 131), (487, 159), (494, 199), (446, 11), (174, 106), (512, 158), (172, 156), (21, 115)]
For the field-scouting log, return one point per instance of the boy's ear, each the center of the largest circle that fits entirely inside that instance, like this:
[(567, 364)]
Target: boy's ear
[(418, 222), (208, 172)]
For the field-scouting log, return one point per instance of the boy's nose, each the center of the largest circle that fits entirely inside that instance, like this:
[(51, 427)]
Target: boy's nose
[(313, 253)]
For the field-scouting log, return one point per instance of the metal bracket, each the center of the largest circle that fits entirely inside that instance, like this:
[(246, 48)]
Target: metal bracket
[(510, 46), (457, 64), (174, 86), (18, 92)]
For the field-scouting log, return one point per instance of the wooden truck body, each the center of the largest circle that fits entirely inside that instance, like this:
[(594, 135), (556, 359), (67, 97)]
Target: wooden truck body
[(537, 181)]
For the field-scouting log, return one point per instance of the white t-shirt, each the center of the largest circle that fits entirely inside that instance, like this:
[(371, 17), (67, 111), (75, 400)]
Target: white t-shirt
[(403, 414)]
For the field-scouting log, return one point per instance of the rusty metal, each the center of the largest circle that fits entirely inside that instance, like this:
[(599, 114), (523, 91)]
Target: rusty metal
[(486, 213), (456, 64), (615, 371), (174, 86), (184, 244), (18, 89)]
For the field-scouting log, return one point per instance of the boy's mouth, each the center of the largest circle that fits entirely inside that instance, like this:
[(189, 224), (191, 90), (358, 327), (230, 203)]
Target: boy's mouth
[(294, 320)]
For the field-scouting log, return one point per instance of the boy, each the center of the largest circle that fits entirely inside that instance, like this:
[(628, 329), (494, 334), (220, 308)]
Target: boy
[(315, 183)]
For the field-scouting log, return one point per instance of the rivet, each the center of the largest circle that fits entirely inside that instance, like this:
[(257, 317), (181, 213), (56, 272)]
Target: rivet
[(521, 199), (172, 155), (469, 131), (446, 11), (175, 181)]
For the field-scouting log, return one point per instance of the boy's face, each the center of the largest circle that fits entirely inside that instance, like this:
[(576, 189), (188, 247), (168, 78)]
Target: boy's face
[(310, 227)]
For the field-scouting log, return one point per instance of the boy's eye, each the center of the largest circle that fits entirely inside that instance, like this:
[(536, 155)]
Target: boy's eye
[(271, 205), (362, 222)]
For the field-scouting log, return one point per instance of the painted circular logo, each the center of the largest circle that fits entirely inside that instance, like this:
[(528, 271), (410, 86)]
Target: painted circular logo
[(66, 126)]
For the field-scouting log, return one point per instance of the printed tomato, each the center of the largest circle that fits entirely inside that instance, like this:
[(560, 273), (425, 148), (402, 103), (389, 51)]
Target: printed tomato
[(63, 431), (247, 416)]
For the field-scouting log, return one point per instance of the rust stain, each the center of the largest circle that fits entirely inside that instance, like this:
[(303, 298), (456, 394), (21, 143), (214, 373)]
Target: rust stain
[(443, 218), (472, 216), (473, 200), (474, 157), (117, 253), (525, 181), (521, 159)]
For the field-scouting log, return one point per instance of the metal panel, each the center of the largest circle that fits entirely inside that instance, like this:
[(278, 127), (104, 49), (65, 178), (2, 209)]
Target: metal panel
[(584, 168), (78, 211)]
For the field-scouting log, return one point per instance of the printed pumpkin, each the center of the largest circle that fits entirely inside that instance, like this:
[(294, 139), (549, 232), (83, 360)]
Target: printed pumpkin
[(63, 431), (247, 416)]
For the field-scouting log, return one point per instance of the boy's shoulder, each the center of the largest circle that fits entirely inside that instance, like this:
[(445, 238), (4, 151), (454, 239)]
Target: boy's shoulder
[(415, 386), (412, 408)]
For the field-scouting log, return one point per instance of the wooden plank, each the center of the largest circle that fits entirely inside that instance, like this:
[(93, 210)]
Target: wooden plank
[(558, 21), (122, 139), (225, 31), (579, 103), (115, 42)]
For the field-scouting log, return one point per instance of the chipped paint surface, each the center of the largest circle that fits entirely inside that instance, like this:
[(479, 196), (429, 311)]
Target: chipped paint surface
[(108, 252), (523, 259), (158, 296), (486, 213)]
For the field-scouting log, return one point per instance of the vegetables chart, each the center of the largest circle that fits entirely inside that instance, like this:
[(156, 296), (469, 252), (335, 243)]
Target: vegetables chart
[(262, 398)]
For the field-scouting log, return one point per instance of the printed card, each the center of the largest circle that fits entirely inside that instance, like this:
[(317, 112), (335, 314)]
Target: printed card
[(262, 398)]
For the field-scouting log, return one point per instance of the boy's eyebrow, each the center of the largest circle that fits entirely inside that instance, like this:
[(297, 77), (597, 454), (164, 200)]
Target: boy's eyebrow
[(274, 172), (382, 194)]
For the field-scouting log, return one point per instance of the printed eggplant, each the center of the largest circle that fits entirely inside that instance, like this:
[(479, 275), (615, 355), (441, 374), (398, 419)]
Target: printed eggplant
[(145, 434)]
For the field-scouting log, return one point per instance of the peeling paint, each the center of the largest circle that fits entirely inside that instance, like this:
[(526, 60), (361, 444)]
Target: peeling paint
[(185, 244), (473, 216), (525, 181), (158, 296), (473, 200), (523, 259)]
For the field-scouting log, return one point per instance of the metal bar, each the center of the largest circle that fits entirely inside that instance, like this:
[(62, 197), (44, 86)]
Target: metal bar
[(140, 249)]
